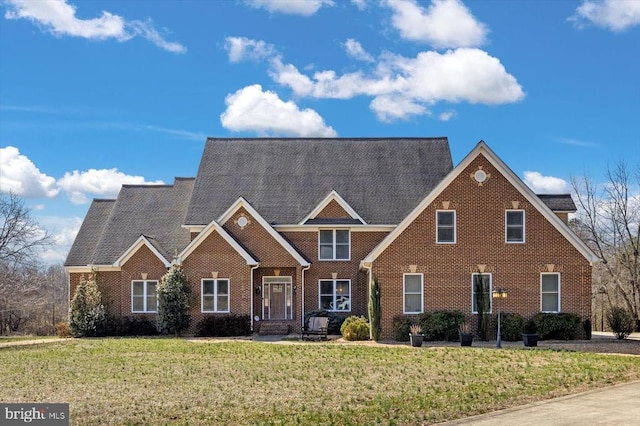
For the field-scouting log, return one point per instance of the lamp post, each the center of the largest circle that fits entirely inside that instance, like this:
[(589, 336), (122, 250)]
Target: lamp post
[(499, 294)]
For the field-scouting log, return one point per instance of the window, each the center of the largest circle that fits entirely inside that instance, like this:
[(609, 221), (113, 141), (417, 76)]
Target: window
[(215, 295), (334, 244), (481, 292), (413, 293), (335, 295), (144, 297), (514, 226), (446, 226), (550, 292)]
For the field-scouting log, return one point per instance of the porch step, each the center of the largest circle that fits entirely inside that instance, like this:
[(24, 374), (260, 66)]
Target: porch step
[(273, 329)]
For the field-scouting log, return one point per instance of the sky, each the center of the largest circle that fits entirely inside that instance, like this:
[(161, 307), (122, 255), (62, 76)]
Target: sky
[(94, 94)]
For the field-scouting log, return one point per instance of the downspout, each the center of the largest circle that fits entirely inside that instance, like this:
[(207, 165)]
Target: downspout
[(306, 268), (369, 268), (253, 268)]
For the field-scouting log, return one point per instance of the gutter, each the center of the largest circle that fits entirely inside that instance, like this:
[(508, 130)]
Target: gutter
[(306, 268)]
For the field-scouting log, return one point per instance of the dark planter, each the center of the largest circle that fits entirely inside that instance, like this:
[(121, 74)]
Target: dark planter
[(416, 340), (466, 339), (530, 339)]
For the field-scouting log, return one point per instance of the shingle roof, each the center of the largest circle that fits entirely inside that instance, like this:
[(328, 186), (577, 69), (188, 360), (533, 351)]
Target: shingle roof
[(84, 246), (558, 202), (155, 211), (383, 179)]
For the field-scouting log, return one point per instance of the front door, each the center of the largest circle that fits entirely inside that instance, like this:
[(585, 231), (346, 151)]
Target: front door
[(276, 298)]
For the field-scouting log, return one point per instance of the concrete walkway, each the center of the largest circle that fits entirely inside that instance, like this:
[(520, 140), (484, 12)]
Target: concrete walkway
[(617, 405)]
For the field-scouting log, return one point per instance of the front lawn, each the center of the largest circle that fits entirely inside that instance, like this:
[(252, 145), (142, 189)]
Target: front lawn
[(159, 381)]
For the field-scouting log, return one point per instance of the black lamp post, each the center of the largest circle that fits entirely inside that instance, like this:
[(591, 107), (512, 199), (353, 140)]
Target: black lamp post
[(499, 294)]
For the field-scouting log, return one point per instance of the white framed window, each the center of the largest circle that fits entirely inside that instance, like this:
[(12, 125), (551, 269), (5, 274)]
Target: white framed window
[(215, 295), (483, 281), (334, 244), (514, 226), (550, 292), (446, 226), (144, 296), (335, 295), (412, 293)]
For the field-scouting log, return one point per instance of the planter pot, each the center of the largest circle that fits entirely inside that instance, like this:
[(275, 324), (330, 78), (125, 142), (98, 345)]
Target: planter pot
[(466, 339), (530, 339), (416, 340)]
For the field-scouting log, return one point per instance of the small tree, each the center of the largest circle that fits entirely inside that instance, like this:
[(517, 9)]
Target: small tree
[(483, 304), (375, 311), (87, 313), (621, 322), (173, 301)]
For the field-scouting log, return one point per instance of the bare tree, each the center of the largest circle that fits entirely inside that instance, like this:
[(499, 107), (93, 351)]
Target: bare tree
[(608, 221)]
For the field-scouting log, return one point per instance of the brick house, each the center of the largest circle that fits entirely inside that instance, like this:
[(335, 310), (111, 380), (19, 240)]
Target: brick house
[(273, 228)]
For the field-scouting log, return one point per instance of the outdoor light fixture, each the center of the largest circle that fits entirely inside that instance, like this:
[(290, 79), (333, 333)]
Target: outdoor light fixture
[(499, 294), (258, 290)]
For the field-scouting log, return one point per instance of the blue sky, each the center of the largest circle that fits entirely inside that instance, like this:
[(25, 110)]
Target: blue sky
[(94, 94)]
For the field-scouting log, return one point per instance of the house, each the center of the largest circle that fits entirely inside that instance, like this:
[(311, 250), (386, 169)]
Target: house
[(274, 228)]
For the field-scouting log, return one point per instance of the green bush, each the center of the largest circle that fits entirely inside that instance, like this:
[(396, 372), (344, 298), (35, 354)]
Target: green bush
[(587, 328), (355, 328), (560, 326), (86, 311), (335, 321), (511, 326), (441, 325), (129, 326), (621, 322), (400, 328), (173, 301), (375, 311), (224, 326)]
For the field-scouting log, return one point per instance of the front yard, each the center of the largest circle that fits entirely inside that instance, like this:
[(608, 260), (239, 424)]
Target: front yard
[(161, 380)]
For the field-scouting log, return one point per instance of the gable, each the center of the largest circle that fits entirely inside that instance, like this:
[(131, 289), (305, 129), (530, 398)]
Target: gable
[(333, 210), (481, 158), (214, 227)]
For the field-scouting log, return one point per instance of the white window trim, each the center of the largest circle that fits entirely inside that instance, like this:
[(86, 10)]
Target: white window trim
[(524, 226), (559, 292), (215, 295), (333, 258), (404, 293), (473, 276), (335, 295), (455, 226), (144, 296)]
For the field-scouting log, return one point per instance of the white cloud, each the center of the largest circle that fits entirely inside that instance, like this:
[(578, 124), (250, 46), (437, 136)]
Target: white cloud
[(402, 87), (19, 175), (251, 109), (615, 15), (444, 24), (64, 231), (446, 116), (356, 51), (290, 7), (103, 183), (541, 184), (360, 4), (59, 18), (242, 48)]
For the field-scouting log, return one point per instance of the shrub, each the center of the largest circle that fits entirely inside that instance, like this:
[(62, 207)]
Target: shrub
[(400, 328), (560, 326), (355, 328), (530, 327), (224, 326), (62, 329), (621, 322), (586, 326), (86, 311), (173, 301), (335, 321), (511, 326), (130, 326), (375, 311), (441, 325)]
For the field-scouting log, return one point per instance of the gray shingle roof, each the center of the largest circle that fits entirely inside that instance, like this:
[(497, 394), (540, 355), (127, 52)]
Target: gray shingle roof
[(383, 179), (558, 202), (155, 211)]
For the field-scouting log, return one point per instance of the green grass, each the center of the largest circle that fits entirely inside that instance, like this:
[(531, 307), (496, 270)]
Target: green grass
[(172, 381)]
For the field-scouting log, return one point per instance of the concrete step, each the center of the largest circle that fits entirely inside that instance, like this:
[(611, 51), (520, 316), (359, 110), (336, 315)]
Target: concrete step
[(273, 329)]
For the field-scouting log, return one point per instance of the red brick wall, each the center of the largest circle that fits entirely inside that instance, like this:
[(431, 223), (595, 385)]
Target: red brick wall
[(480, 221), (333, 210)]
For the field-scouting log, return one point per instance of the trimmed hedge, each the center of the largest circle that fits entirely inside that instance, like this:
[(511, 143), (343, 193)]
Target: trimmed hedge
[(400, 328), (441, 325), (335, 321), (130, 326), (224, 326), (511, 327), (561, 326)]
